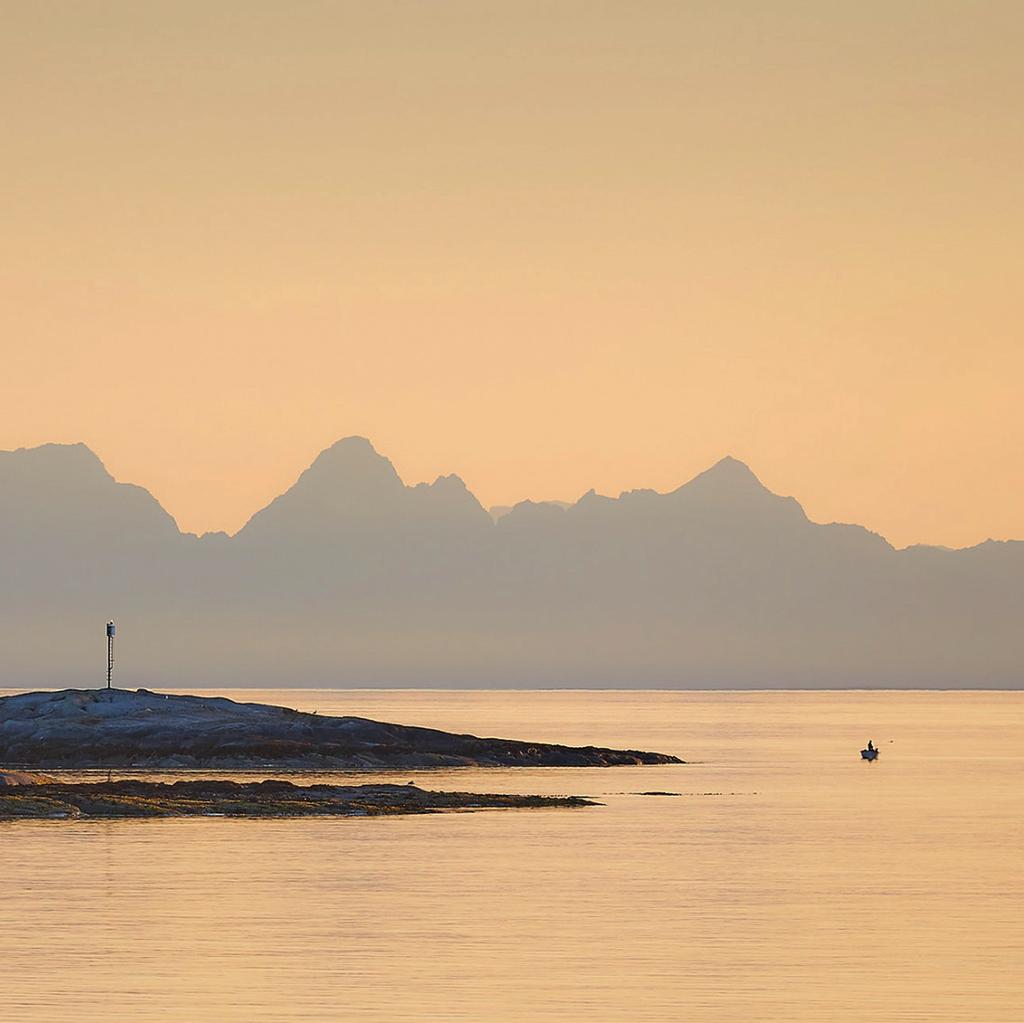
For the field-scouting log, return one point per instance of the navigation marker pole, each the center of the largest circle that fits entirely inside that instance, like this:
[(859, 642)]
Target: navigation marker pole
[(110, 651)]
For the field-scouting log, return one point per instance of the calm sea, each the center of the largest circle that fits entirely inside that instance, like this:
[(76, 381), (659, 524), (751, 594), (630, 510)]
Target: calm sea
[(787, 881)]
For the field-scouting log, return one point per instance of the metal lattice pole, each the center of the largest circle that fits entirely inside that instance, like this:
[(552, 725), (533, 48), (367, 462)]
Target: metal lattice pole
[(110, 652)]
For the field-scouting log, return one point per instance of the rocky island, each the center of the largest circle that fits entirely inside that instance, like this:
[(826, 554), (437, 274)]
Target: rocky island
[(45, 798), (75, 729)]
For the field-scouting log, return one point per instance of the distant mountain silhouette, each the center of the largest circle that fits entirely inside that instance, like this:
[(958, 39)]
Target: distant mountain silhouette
[(352, 495), (499, 511), (352, 578), (63, 492)]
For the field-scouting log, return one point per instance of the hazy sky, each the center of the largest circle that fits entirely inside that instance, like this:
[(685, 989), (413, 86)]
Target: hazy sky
[(547, 246)]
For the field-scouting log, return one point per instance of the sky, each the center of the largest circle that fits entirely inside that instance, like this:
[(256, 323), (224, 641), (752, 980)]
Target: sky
[(546, 246)]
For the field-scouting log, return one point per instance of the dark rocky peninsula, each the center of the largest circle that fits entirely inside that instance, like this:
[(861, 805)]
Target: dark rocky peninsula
[(118, 728), (120, 799)]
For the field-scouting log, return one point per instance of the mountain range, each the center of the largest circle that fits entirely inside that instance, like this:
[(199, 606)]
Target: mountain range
[(352, 578)]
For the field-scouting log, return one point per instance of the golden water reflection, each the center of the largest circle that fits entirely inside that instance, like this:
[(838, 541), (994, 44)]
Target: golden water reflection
[(789, 881)]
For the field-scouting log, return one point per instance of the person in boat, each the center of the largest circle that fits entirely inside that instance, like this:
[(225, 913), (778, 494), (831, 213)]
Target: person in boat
[(870, 746)]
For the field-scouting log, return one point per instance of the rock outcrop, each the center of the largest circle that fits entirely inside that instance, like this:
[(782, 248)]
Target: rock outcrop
[(22, 778), (117, 728), (121, 799)]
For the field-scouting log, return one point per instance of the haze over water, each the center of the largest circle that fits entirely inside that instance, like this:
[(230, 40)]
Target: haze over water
[(788, 881)]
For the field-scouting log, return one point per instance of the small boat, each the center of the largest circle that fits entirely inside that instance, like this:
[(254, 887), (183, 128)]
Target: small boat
[(871, 753)]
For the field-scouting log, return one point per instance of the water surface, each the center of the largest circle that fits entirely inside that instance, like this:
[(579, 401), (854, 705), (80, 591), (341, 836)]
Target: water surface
[(789, 881)]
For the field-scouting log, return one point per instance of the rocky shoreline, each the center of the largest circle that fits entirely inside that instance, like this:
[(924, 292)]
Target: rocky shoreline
[(49, 800), (76, 729)]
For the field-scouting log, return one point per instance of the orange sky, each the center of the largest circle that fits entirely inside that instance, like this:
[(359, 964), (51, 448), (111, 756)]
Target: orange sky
[(547, 246)]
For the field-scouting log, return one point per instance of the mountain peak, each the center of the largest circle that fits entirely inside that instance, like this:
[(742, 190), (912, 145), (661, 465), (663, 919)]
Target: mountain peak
[(727, 477), (65, 459), (349, 482), (55, 483), (733, 468), (352, 460), (345, 480), (354, 442), (729, 488)]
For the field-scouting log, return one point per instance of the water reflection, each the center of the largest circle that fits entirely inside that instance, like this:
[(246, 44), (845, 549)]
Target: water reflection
[(748, 897)]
